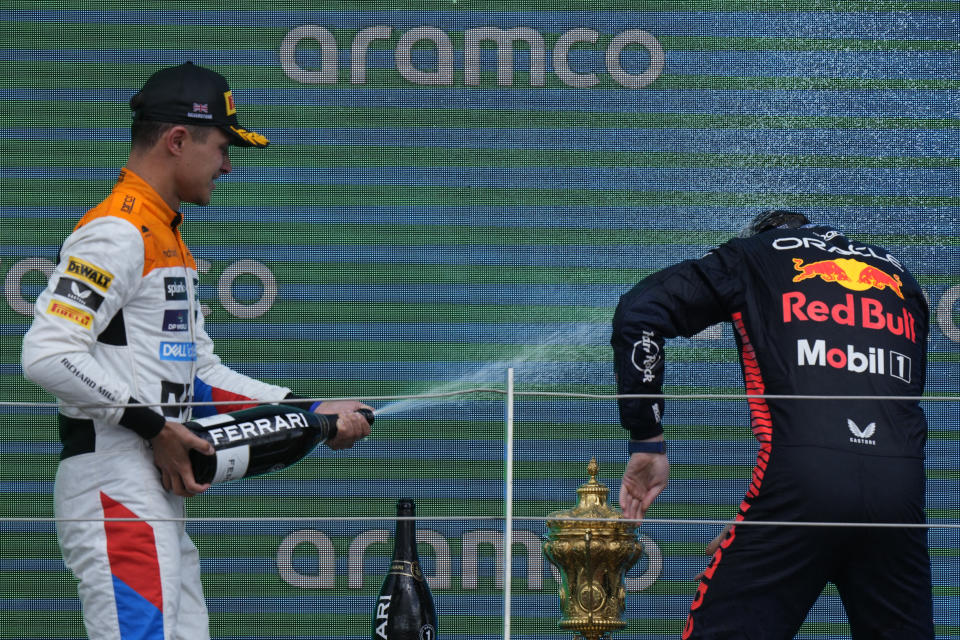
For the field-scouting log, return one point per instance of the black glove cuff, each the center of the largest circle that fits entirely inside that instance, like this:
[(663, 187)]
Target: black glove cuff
[(143, 421), (298, 402)]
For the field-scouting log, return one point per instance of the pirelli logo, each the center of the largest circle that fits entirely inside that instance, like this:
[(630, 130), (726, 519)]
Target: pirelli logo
[(71, 313), (100, 278), (230, 104)]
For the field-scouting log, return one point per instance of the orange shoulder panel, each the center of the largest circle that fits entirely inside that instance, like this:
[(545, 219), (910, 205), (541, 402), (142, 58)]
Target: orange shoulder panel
[(162, 246)]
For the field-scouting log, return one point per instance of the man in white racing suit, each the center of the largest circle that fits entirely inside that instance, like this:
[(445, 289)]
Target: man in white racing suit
[(118, 338)]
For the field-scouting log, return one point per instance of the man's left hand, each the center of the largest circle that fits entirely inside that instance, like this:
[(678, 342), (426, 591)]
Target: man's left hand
[(644, 478)]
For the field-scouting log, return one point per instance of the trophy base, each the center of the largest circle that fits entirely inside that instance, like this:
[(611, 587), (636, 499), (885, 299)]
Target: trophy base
[(591, 629)]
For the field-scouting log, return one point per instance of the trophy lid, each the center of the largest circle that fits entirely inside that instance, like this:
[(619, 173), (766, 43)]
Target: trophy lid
[(591, 502)]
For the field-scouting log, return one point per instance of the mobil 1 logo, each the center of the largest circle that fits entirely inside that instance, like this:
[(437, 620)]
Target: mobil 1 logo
[(875, 360)]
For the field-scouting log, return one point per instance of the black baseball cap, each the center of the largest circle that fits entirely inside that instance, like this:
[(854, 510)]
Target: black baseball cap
[(191, 94)]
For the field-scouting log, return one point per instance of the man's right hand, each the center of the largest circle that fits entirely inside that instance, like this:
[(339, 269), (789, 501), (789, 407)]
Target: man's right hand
[(171, 454), (715, 543), (351, 425)]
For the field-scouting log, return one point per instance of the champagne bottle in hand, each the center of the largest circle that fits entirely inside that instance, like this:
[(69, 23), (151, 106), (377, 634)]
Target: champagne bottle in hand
[(256, 441)]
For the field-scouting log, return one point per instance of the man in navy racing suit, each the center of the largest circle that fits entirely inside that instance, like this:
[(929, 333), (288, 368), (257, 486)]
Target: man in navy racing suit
[(813, 314)]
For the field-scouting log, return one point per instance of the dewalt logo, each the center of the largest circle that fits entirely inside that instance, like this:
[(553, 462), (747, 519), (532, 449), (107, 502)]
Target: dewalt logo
[(100, 278)]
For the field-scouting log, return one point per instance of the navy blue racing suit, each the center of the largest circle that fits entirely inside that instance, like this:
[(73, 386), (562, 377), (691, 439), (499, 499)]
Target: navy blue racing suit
[(813, 314)]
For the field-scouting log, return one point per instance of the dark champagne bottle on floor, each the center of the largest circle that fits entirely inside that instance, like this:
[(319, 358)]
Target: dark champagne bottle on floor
[(256, 441), (405, 609)]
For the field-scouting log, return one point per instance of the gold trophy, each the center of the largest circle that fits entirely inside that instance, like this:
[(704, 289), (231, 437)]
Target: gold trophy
[(593, 556)]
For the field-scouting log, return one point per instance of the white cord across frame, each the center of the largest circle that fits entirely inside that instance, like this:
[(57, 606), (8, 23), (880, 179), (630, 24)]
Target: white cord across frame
[(527, 394), (464, 518), (509, 391), (509, 518)]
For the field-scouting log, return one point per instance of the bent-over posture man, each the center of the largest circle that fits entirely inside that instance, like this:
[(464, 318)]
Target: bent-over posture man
[(813, 313)]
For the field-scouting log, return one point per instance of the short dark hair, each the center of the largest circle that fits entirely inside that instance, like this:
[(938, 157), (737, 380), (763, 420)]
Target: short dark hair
[(145, 133), (773, 219)]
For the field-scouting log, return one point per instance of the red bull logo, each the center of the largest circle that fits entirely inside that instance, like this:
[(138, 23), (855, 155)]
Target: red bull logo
[(849, 273), (865, 312)]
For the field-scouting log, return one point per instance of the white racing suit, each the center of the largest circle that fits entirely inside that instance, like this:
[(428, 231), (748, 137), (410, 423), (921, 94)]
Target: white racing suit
[(120, 322)]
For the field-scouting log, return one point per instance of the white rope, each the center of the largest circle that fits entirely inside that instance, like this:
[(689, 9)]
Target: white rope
[(500, 391), (536, 519), (514, 518)]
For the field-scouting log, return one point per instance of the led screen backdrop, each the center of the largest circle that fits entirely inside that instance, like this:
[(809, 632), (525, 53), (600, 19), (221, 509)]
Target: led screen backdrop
[(452, 189)]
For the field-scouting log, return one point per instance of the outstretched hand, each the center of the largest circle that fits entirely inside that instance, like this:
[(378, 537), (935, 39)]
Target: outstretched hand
[(644, 478), (171, 454)]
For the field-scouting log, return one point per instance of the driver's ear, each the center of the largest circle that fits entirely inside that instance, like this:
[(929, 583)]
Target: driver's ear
[(175, 138)]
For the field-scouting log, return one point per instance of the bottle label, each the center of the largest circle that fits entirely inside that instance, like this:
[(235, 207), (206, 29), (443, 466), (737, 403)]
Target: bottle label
[(381, 622), (407, 568), (252, 429), (383, 616), (231, 463)]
